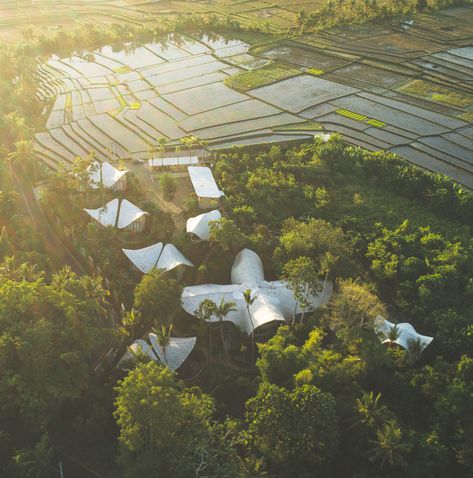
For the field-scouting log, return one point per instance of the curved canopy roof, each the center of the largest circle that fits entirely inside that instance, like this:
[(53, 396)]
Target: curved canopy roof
[(105, 174), (274, 301), (137, 347), (200, 225), (406, 334), (176, 351), (204, 182), (107, 215), (157, 256), (247, 267)]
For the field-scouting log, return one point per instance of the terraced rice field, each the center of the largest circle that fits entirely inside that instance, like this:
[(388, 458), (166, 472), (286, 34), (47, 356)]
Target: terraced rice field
[(406, 87)]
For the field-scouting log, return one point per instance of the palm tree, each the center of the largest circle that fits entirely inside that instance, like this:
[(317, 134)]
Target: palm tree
[(369, 408), (389, 446), (222, 310), (36, 463), (249, 301), (24, 154), (204, 313), (393, 335), (164, 336), (130, 320), (326, 265), (414, 347)]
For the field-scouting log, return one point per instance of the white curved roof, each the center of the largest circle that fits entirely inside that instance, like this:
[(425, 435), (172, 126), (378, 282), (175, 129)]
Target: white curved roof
[(176, 352), (200, 225), (135, 348), (406, 334), (147, 258), (171, 257), (204, 182), (107, 215), (128, 213), (274, 301), (105, 174), (247, 267)]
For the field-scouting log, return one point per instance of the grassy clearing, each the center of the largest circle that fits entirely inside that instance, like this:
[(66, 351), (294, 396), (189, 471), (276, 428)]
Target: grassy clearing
[(437, 93), (260, 77)]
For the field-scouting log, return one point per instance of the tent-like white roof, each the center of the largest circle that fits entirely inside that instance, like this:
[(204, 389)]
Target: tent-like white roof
[(204, 182), (138, 346), (274, 301), (107, 215), (181, 161), (406, 334), (200, 225), (157, 256), (105, 174), (176, 351)]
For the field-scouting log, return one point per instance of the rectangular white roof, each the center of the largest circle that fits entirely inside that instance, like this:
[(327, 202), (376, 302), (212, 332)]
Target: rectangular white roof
[(204, 182), (181, 161)]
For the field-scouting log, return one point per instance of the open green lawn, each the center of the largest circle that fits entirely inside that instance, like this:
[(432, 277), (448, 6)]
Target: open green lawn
[(260, 77)]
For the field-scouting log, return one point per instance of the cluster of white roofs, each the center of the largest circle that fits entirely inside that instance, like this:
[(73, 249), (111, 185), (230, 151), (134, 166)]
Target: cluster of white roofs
[(116, 213), (172, 355), (405, 336), (274, 301)]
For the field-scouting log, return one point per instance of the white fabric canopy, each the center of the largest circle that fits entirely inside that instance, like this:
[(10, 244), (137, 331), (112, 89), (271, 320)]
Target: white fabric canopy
[(204, 182), (128, 213), (167, 257), (145, 259), (105, 174), (137, 347), (107, 215), (406, 334), (274, 301), (176, 351), (200, 225)]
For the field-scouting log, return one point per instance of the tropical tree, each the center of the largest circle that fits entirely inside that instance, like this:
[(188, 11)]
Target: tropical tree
[(222, 310), (157, 297), (164, 336), (36, 462), (249, 300), (207, 308), (130, 321), (166, 429), (389, 448), (293, 429), (301, 275)]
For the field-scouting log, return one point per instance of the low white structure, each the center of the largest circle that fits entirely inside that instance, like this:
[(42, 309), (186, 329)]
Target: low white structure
[(137, 347), (179, 161), (406, 334), (199, 226), (157, 256), (274, 301), (205, 186), (104, 174), (120, 214), (176, 351), (172, 356)]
